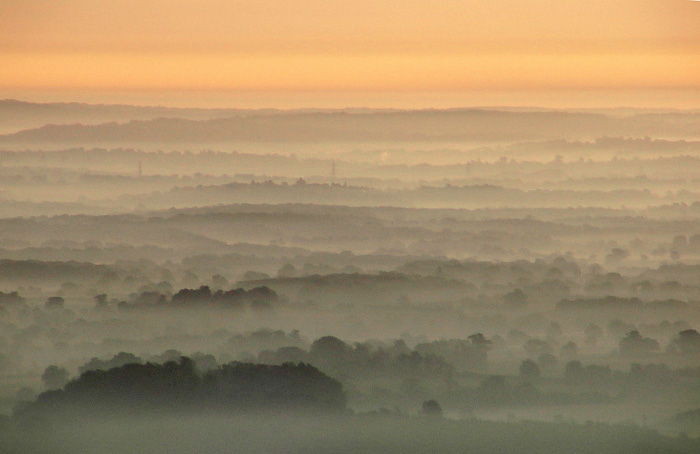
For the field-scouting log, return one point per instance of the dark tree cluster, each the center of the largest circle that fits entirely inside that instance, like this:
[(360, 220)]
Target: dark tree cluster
[(338, 358), (11, 299), (180, 387), (576, 373), (466, 354), (634, 344), (120, 359), (686, 343), (258, 298), (608, 303)]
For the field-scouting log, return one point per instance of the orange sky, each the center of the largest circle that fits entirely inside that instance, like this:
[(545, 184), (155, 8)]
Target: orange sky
[(408, 46)]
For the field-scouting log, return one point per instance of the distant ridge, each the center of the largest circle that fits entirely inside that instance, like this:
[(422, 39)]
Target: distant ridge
[(86, 124), (454, 125), (17, 115)]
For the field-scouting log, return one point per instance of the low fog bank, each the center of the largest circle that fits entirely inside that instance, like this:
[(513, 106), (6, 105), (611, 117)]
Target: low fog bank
[(609, 173), (362, 433), (269, 236)]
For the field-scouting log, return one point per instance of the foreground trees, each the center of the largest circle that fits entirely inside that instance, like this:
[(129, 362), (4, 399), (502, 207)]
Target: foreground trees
[(179, 387)]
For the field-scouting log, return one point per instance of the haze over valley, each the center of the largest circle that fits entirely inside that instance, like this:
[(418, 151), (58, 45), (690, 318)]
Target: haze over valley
[(350, 227), (463, 267)]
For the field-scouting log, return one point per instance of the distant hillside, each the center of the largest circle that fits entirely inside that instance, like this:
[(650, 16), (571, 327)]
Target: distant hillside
[(466, 196), (424, 125), (18, 115)]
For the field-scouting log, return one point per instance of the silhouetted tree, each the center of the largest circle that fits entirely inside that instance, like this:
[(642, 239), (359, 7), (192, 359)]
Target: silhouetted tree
[(537, 347), (569, 350), (687, 342), (54, 377), (219, 282), (101, 299), (529, 370), (547, 362), (573, 372), (431, 408), (11, 299), (54, 302), (515, 299), (288, 270), (117, 360), (634, 344)]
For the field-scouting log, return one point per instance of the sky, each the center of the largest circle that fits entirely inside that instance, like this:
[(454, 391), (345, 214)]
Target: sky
[(361, 52)]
